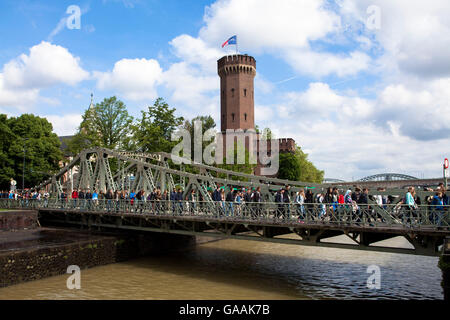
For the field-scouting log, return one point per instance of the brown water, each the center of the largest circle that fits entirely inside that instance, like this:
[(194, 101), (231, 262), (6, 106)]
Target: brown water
[(236, 269)]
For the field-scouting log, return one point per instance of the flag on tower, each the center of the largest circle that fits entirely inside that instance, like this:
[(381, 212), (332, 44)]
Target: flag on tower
[(232, 40)]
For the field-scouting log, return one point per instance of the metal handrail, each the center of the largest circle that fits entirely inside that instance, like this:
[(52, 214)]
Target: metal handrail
[(424, 216)]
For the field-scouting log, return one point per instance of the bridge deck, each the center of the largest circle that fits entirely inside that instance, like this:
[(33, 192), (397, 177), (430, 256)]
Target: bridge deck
[(312, 224)]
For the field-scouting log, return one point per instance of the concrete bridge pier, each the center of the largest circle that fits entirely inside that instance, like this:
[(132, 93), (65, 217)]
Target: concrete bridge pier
[(444, 265)]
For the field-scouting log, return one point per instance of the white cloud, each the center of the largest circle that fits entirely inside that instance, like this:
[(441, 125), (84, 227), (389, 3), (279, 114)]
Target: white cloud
[(264, 24), (351, 137), (414, 35), (422, 112), (319, 64), (285, 28), (46, 65), (196, 52), (136, 79), (65, 125), (18, 98)]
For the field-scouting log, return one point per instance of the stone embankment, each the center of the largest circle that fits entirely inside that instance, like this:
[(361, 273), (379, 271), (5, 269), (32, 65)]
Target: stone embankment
[(29, 252)]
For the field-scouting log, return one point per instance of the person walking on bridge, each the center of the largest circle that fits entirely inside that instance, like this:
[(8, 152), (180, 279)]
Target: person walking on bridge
[(74, 198), (179, 199), (287, 202), (411, 205), (437, 208), (256, 196), (300, 200), (229, 202), (109, 198), (279, 199)]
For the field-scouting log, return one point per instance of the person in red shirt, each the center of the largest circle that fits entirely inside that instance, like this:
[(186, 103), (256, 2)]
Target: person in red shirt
[(74, 198)]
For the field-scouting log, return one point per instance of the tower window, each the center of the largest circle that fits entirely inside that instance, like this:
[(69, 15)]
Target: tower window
[(245, 92), (245, 116), (232, 117), (232, 92)]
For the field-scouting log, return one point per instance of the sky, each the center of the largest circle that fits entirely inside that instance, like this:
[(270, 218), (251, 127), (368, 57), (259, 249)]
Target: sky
[(363, 86)]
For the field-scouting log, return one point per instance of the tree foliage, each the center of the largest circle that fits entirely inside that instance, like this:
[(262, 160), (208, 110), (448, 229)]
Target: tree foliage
[(153, 132), (107, 125), (297, 167), (33, 136), (247, 167), (207, 123)]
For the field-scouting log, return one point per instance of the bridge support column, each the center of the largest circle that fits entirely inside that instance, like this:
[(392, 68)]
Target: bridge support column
[(444, 265)]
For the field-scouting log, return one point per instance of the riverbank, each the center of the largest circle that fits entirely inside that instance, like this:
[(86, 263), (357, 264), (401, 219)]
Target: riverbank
[(27, 255)]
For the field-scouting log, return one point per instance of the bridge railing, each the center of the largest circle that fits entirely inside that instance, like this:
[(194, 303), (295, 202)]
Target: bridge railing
[(424, 216)]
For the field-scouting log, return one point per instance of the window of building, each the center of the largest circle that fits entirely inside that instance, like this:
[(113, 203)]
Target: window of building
[(232, 92), (245, 116), (232, 117), (245, 92)]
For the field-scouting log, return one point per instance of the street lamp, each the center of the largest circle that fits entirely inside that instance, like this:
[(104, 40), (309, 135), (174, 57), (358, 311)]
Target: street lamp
[(23, 170)]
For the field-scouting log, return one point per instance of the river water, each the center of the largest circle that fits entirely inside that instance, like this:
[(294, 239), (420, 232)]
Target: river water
[(237, 269)]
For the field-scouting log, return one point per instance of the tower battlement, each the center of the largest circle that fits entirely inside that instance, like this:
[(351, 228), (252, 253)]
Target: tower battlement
[(237, 63)]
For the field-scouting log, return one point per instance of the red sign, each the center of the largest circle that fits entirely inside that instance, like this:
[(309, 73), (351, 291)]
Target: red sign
[(446, 163)]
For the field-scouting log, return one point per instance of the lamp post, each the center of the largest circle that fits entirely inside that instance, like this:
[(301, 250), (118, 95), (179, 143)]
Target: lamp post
[(23, 169)]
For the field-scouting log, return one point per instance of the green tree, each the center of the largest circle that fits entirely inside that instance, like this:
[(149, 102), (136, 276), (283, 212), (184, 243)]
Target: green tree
[(247, 167), (297, 167), (153, 132), (6, 164), (207, 123), (42, 150), (289, 167), (107, 125)]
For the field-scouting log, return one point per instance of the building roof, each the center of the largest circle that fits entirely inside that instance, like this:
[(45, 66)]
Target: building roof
[(64, 147)]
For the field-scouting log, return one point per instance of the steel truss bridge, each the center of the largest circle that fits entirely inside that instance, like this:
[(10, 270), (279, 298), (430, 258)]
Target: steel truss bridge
[(425, 227)]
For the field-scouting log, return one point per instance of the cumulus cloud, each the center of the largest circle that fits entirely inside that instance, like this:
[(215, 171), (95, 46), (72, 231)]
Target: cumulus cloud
[(414, 36), (19, 98), (264, 24), (135, 79), (351, 137), (46, 65), (287, 29), (65, 125), (422, 113)]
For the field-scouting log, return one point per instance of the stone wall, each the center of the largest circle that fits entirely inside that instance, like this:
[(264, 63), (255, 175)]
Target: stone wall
[(18, 220), (37, 262)]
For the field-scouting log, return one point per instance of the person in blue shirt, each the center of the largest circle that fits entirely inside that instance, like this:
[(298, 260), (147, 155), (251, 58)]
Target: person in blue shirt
[(95, 197), (132, 198), (437, 205)]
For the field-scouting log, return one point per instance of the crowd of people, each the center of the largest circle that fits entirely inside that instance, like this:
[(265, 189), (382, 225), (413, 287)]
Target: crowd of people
[(233, 200)]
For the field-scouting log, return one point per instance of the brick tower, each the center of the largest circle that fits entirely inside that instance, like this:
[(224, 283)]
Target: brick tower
[(237, 102)]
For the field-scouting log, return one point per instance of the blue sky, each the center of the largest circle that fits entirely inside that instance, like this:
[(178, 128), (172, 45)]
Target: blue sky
[(362, 86)]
